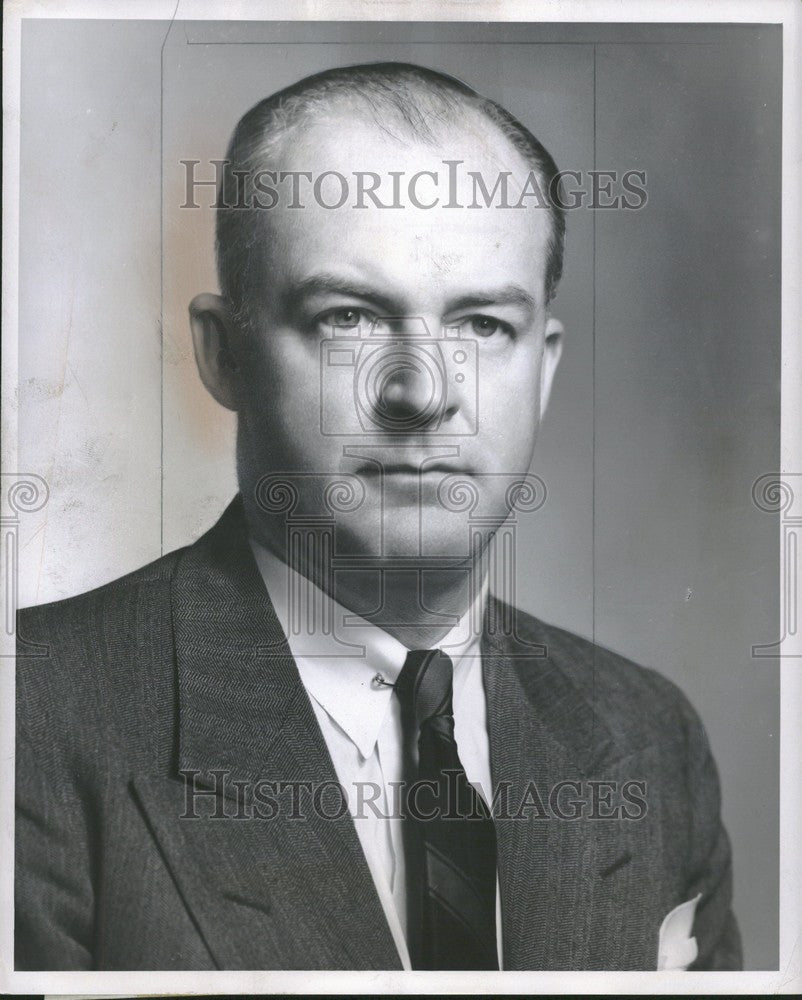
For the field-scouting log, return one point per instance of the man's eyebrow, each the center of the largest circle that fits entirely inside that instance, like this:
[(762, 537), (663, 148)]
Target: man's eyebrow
[(327, 283), (324, 283), (506, 295)]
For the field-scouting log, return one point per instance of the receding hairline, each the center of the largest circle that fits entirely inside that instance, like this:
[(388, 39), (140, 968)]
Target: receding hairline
[(378, 87), (346, 111)]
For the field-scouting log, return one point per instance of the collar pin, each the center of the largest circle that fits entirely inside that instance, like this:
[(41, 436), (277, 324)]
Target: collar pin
[(378, 682)]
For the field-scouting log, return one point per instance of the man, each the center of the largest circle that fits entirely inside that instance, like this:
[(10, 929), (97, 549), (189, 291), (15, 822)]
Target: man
[(315, 739)]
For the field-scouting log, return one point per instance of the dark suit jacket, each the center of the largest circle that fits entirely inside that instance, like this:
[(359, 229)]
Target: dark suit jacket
[(183, 665)]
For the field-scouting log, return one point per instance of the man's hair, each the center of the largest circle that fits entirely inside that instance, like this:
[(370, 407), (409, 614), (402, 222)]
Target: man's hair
[(414, 96)]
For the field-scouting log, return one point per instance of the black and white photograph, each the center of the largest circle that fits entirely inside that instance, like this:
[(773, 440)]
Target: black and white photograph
[(401, 498)]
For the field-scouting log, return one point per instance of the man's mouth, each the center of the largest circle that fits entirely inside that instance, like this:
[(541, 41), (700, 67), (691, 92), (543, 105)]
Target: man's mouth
[(406, 470)]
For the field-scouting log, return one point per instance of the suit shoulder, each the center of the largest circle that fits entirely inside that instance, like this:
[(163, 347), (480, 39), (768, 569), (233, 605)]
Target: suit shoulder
[(634, 699), (90, 663), (83, 607)]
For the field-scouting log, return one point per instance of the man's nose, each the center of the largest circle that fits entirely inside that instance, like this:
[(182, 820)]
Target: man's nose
[(406, 388), (410, 392)]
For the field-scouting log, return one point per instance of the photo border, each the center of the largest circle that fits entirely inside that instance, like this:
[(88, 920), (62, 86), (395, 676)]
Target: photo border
[(788, 977)]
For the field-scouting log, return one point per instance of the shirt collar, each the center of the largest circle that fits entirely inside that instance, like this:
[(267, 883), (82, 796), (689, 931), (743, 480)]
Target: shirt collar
[(341, 655)]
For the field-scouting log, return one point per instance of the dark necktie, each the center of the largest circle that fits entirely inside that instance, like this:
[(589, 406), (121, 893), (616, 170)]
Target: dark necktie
[(449, 839)]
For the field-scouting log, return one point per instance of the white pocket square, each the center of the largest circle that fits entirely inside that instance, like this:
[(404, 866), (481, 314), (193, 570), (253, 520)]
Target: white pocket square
[(677, 949)]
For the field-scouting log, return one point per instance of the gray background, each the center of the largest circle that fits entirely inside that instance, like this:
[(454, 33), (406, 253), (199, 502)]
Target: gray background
[(665, 410)]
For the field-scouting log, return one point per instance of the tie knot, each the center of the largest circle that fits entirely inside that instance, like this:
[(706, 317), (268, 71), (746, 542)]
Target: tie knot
[(424, 685)]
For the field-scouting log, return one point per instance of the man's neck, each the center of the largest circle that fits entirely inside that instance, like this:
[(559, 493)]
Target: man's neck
[(417, 606)]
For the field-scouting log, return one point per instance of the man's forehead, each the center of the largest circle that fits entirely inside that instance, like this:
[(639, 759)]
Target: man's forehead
[(431, 208), (349, 140), (439, 248), (402, 208)]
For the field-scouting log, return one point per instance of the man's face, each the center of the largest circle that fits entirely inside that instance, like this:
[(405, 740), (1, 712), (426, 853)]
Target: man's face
[(398, 346)]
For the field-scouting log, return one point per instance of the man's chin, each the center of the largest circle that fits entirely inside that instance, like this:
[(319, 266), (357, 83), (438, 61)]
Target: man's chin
[(415, 548)]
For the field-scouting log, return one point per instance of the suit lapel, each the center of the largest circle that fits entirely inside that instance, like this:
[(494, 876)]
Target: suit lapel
[(555, 874), (288, 891)]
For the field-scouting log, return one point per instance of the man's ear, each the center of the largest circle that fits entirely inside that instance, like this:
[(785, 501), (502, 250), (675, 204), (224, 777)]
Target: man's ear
[(551, 356), (212, 337)]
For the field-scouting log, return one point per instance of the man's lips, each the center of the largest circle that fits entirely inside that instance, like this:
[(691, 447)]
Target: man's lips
[(407, 470)]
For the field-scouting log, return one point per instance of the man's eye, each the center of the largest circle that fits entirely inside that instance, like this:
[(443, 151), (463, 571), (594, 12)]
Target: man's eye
[(486, 326), (355, 320)]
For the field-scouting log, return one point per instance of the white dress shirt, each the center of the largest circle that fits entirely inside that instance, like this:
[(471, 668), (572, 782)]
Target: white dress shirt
[(361, 720)]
